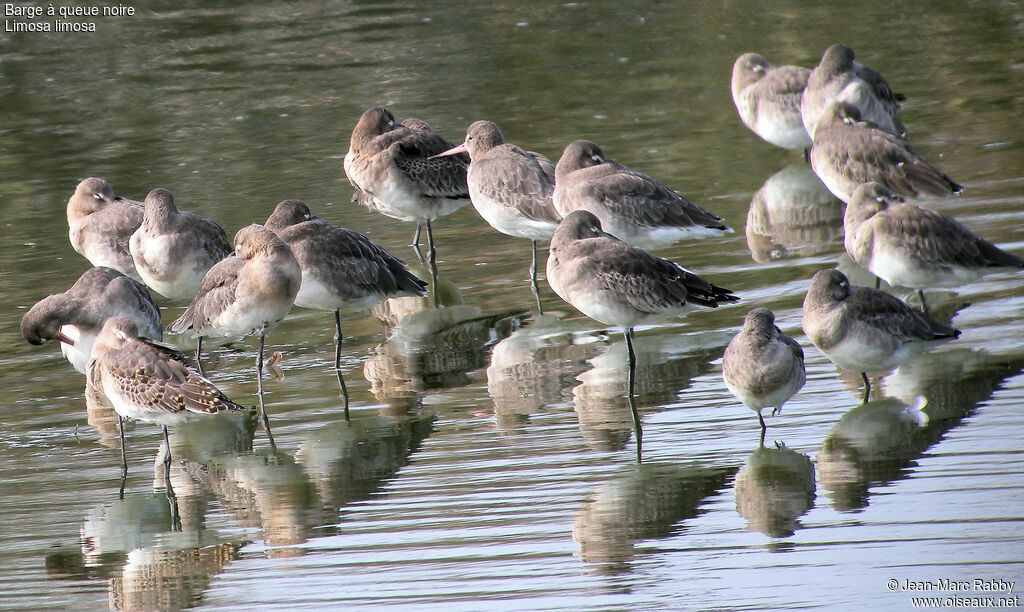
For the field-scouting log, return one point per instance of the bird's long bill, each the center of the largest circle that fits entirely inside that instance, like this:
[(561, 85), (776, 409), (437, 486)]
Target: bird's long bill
[(62, 338), (452, 151)]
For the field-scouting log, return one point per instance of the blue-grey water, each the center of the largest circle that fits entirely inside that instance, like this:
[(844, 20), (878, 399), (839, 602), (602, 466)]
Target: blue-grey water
[(490, 459)]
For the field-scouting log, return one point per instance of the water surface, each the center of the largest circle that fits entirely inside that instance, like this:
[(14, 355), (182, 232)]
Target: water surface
[(490, 460)]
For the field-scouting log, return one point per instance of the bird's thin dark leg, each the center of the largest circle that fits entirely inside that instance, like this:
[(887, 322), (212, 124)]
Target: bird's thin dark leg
[(259, 390), (337, 360), (924, 305), (199, 349), (867, 386), (533, 278), (124, 456), (878, 282), (416, 237), (431, 251), (637, 427)]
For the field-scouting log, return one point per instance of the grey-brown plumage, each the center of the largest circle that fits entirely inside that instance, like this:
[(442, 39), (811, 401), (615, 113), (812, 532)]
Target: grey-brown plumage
[(149, 381), (622, 285), (837, 77), (78, 314), (341, 269), (173, 249), (863, 329), (246, 293), (509, 186), (101, 223), (762, 366), (848, 151), (619, 284), (390, 166), (632, 206), (768, 100), (914, 247)]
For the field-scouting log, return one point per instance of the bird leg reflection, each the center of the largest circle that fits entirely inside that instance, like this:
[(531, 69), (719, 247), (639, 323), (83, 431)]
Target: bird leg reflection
[(533, 278), (637, 428), (337, 360), (259, 390)]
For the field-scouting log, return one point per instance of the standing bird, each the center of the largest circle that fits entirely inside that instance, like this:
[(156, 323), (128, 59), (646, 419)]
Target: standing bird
[(848, 151), (246, 293), (151, 382), (909, 246), (510, 187), (632, 206), (76, 316), (768, 100), (101, 223), (173, 249), (762, 366), (622, 285), (341, 269), (863, 329), (837, 78), (390, 167)]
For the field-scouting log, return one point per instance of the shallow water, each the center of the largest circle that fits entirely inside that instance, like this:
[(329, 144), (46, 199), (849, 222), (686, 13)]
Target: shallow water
[(490, 461)]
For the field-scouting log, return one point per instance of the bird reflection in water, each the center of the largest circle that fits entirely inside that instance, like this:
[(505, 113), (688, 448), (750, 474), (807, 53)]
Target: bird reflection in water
[(435, 348), (793, 214), (640, 503), (350, 461), (537, 366), (877, 443), (665, 365), (773, 488), (149, 564)]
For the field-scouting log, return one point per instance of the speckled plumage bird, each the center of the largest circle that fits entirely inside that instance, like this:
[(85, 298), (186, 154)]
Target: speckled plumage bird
[(149, 381)]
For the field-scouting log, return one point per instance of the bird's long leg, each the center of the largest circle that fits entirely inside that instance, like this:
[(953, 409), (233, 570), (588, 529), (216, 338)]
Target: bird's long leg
[(337, 360), (199, 349), (637, 427), (124, 456), (764, 427), (533, 278), (431, 251), (867, 386), (924, 304), (259, 390), (878, 282)]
